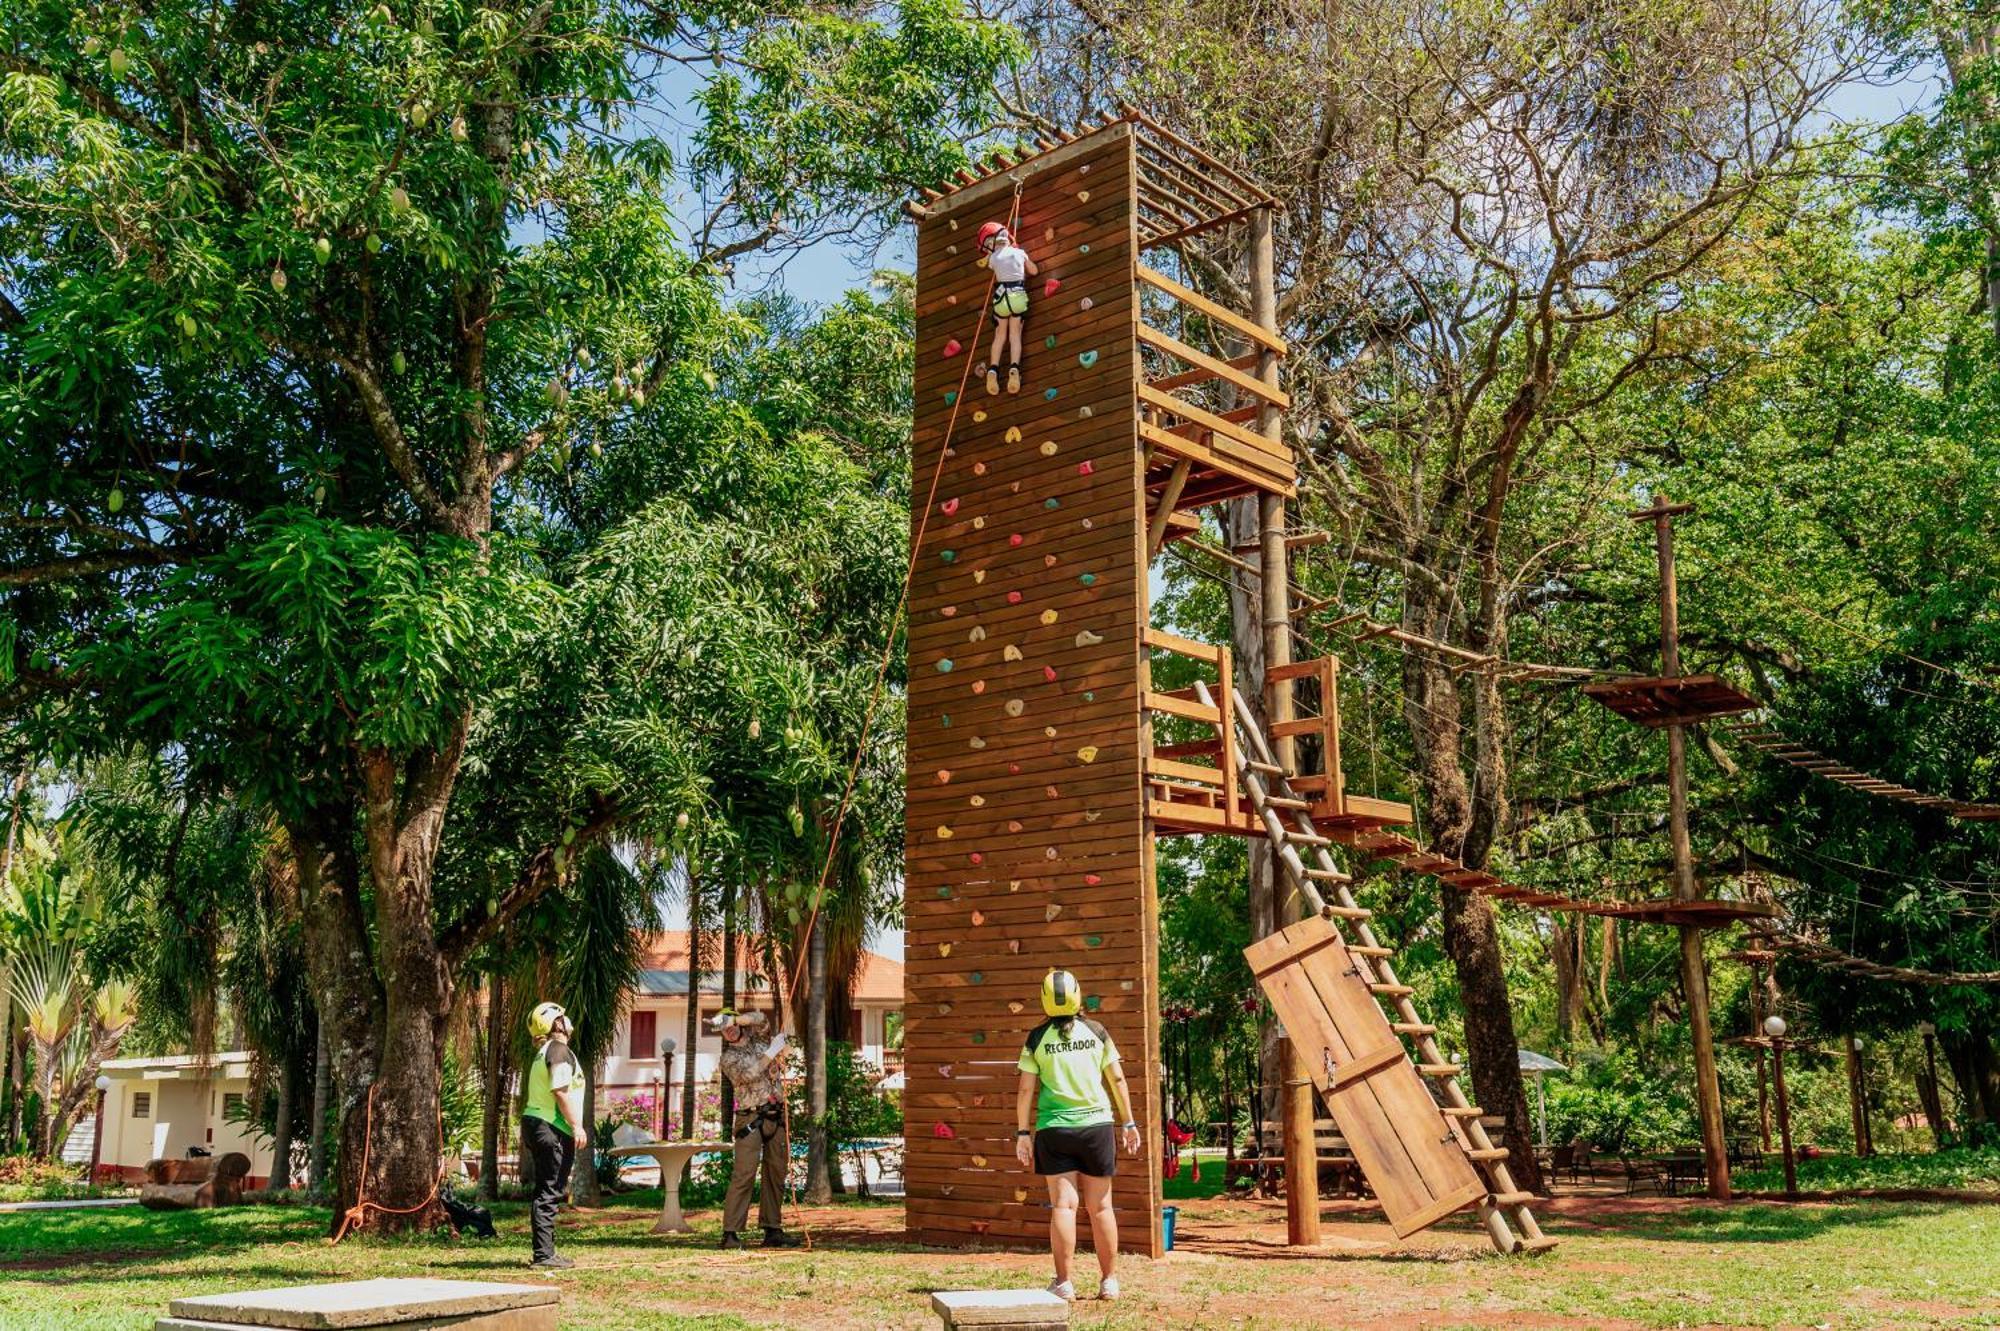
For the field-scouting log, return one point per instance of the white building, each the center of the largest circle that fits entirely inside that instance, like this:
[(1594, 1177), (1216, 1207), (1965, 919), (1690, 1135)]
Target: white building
[(157, 1108), (660, 1004)]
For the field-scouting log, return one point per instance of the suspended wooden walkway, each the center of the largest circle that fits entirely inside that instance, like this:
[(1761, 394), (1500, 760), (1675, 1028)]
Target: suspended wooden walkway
[(1771, 744)]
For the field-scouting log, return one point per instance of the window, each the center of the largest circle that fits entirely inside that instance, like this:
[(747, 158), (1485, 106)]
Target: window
[(142, 1104), (645, 1034), (232, 1106)]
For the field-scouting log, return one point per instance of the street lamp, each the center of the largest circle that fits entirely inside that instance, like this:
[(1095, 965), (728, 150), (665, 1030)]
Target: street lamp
[(1774, 1027), (667, 1047), (97, 1132)]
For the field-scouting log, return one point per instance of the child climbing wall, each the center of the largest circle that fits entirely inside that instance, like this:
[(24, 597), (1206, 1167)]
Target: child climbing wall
[(1026, 844)]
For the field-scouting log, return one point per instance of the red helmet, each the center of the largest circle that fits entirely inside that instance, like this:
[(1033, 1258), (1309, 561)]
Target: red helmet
[(988, 231)]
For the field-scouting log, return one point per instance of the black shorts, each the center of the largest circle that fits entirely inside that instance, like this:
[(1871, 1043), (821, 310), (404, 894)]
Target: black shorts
[(1092, 1150)]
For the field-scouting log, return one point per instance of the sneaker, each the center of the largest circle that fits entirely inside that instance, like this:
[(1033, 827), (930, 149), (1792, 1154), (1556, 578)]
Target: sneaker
[(1109, 1289), (731, 1239), (1013, 378), (554, 1263), (1063, 1290), (778, 1238), (992, 382)]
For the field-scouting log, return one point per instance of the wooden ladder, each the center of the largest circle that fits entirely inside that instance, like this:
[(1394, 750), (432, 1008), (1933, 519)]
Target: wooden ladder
[(1504, 1210)]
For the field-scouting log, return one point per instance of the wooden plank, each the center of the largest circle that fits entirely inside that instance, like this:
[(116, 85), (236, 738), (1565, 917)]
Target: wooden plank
[(1217, 369), (1262, 471), (1193, 299), (1208, 420), (1173, 642), (1181, 707)]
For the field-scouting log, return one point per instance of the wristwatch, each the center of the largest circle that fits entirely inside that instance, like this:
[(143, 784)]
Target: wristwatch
[(1024, 1132), (1123, 1126)]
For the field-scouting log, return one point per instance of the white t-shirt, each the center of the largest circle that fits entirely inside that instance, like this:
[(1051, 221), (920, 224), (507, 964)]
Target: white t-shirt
[(1009, 263)]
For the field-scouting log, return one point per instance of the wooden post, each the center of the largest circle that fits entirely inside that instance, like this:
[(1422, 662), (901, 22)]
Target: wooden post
[(1296, 1103), (1857, 1098), (1933, 1096), (1784, 1114), (1694, 972)]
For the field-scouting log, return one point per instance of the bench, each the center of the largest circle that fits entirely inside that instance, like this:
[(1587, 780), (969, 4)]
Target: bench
[(1012, 1309), (203, 1181), (356, 1305)]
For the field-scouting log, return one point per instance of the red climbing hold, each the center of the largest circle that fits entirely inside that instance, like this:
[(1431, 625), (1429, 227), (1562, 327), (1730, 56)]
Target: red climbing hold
[(1013, 598), (1084, 468), (1015, 539), (952, 348), (1091, 880), (1013, 769), (976, 857), (1050, 287), (950, 506), (943, 1129), (1049, 673)]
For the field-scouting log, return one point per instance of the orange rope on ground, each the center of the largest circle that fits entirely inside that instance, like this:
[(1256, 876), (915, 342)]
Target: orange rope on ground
[(882, 669), (356, 1215)]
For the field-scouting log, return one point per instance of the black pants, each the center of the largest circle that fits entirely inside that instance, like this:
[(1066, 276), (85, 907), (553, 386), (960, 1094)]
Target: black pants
[(553, 1152)]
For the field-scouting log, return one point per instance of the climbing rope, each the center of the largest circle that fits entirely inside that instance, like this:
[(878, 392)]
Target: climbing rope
[(882, 667), (356, 1215)]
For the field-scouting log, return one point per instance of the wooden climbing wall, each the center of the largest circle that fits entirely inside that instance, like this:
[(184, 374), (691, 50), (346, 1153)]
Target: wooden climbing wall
[(1026, 844)]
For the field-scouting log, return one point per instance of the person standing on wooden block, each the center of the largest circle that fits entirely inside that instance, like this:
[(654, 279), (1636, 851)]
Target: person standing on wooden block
[(1071, 1079), (1011, 268), (755, 1066), (552, 1127)]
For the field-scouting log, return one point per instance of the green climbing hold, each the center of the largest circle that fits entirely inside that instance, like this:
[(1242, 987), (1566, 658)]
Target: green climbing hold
[(1093, 940), (1088, 579), (979, 1037), (1090, 695), (1083, 249), (948, 556), (945, 892), (1087, 359), (1050, 341), (944, 665), (1052, 502), (950, 396), (978, 977), (1093, 1002), (944, 720)]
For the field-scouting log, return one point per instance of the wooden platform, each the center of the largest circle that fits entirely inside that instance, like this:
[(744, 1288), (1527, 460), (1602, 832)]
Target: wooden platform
[(1672, 699)]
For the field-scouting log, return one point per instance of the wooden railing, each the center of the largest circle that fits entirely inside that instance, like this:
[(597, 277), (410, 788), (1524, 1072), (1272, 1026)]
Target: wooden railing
[(1326, 786), (1184, 793)]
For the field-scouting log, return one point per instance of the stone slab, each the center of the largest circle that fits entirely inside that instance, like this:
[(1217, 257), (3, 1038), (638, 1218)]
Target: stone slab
[(1018, 1308), (542, 1318), (404, 1302)]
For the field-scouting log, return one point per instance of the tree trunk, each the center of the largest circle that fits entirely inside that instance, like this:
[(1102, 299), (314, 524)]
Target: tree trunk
[(690, 1102), (281, 1135), (493, 1111), (8, 1075), (1566, 951), (818, 1189), (322, 1096), (1977, 1072), (583, 1184), (1461, 827), (728, 990)]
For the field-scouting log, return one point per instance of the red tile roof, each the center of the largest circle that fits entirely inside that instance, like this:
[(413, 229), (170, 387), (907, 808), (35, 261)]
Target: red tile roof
[(879, 979)]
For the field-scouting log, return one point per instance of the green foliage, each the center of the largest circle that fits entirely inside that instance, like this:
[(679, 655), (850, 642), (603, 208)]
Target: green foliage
[(1975, 1170)]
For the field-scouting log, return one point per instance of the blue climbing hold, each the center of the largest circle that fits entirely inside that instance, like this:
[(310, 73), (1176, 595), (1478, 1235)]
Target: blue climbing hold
[(1083, 249), (950, 396), (1052, 503), (1088, 579), (948, 556), (944, 666), (1090, 695), (978, 977), (1087, 359), (1050, 395)]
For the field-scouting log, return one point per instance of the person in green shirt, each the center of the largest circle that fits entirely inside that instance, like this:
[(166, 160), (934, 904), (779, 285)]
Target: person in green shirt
[(1071, 1081), (551, 1127)]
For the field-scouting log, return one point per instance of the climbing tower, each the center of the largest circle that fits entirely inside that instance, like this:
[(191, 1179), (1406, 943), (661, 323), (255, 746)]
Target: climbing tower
[(1037, 784)]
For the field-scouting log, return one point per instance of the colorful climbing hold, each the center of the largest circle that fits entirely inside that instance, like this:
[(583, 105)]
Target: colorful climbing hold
[(944, 776), (1086, 468), (1048, 448), (977, 977), (1085, 638), (979, 469), (979, 575), (1013, 435), (1014, 707), (1093, 1002), (1049, 394), (1013, 824), (1083, 249), (1083, 413), (1050, 341), (1052, 503), (976, 858), (978, 415), (978, 918), (944, 949), (945, 834), (1092, 880), (948, 556), (1010, 652), (952, 348), (977, 801), (1051, 792), (1013, 944), (950, 396), (948, 611), (1048, 561), (1088, 358), (1050, 287), (1049, 672), (1015, 538), (1050, 911), (979, 686), (1085, 303), (944, 666), (1088, 753), (949, 507), (1087, 579), (1093, 940), (976, 742), (1083, 196), (979, 524), (942, 1129), (978, 633), (1013, 598), (1090, 695), (1050, 616)]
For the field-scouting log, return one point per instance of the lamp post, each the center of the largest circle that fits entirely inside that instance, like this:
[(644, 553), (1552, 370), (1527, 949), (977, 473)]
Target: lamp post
[(1774, 1026), (667, 1047), (1857, 1088), (97, 1132)]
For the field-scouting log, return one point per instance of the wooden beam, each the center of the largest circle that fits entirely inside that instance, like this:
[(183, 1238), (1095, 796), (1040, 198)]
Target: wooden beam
[(1156, 529), (1195, 300)]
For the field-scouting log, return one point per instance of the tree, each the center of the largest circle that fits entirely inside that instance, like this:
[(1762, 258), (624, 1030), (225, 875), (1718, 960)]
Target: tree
[(305, 310)]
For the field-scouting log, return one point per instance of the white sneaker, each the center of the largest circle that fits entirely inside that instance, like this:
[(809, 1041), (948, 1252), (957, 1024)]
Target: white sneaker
[(1064, 1290), (1109, 1289)]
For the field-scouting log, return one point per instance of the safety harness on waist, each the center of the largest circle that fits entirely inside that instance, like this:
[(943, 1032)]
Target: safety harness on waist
[(766, 1118)]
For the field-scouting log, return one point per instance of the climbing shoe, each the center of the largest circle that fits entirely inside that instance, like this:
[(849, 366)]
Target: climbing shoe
[(992, 381), (1013, 378)]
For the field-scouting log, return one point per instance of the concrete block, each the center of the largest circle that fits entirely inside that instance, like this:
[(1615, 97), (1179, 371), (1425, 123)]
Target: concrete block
[(408, 1304), (1016, 1309)]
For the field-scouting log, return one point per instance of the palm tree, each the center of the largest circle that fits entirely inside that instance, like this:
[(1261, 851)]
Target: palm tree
[(597, 965)]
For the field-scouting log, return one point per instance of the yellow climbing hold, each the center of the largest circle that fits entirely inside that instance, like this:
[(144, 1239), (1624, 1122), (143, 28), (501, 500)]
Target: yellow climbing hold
[(1048, 448), (944, 949), (1088, 753), (1013, 435), (1084, 639), (944, 833), (1010, 652), (1049, 616), (1015, 707)]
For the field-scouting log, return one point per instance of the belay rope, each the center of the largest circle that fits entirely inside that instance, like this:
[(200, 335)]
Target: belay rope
[(888, 650), (356, 1215)]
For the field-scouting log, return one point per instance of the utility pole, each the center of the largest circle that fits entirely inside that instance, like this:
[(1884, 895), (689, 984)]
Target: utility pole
[(1694, 972), (1295, 1102)]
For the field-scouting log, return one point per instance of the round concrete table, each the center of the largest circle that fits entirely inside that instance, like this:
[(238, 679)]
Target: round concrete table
[(673, 1160)]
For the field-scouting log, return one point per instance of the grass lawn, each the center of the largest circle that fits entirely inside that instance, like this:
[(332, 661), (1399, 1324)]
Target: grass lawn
[(1644, 1262)]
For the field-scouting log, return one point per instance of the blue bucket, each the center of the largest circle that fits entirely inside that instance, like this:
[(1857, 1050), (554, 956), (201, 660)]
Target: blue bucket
[(1167, 1214)]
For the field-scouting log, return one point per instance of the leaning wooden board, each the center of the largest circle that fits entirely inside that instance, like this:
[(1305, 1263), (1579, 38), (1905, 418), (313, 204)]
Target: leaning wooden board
[(1408, 1152), (1025, 839)]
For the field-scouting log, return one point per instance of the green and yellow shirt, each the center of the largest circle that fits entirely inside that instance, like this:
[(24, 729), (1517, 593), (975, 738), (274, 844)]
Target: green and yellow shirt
[(1071, 1064), (553, 1069)]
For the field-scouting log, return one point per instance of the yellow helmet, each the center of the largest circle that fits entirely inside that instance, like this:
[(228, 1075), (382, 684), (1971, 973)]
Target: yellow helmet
[(1061, 997), (543, 1019)]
